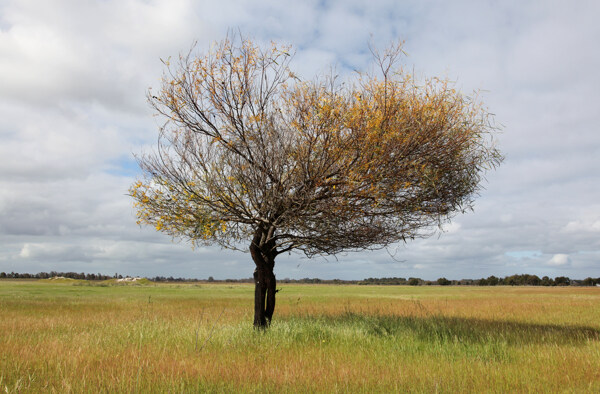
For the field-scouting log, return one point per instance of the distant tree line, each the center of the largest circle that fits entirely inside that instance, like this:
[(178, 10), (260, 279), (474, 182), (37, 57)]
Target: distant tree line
[(513, 280), (54, 274), (392, 281)]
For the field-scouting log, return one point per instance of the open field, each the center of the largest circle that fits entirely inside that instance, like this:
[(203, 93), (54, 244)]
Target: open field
[(74, 337)]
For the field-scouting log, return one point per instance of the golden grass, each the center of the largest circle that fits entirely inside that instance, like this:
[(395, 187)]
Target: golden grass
[(187, 338)]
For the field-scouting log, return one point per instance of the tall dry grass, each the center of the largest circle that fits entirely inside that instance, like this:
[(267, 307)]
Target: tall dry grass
[(187, 338)]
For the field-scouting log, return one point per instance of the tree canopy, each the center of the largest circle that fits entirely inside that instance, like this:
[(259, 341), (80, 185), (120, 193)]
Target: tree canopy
[(250, 153)]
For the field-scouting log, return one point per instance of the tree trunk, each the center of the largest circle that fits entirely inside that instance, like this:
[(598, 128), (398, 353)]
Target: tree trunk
[(270, 308), (264, 280), (260, 292), (264, 297)]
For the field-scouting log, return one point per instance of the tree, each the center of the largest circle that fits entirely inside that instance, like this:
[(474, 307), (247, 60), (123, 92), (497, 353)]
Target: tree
[(586, 282), (251, 154)]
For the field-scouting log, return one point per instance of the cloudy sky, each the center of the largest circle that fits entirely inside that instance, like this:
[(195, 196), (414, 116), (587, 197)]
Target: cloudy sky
[(73, 78)]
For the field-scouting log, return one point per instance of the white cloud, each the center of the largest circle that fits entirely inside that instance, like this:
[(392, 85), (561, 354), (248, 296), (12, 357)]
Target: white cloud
[(560, 259), (451, 227), (49, 251), (589, 224)]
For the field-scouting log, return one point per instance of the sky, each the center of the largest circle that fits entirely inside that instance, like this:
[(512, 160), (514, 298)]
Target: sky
[(73, 80)]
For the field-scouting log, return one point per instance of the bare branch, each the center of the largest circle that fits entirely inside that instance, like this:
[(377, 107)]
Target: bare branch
[(251, 153)]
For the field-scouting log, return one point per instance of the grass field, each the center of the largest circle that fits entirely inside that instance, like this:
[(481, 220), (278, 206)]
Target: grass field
[(76, 337)]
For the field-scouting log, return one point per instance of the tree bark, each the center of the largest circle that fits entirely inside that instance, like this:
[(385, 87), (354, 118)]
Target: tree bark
[(260, 290), (264, 297), (264, 280)]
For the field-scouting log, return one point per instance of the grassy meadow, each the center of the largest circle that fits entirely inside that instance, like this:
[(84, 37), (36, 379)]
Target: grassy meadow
[(81, 337)]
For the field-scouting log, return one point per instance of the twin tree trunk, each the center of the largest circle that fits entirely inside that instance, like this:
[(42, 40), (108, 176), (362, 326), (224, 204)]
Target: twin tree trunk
[(263, 253)]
